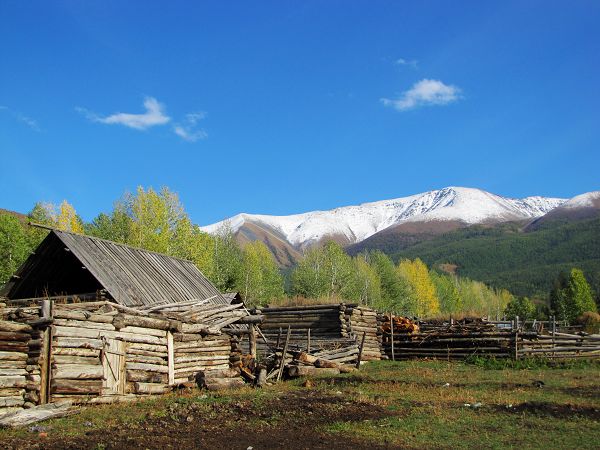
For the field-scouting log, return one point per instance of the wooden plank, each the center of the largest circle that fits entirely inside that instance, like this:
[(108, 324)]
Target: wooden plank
[(171, 358)]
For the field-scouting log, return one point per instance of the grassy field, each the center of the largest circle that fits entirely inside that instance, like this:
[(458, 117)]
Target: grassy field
[(415, 404)]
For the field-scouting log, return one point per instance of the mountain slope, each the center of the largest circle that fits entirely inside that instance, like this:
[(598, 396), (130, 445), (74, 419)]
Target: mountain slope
[(353, 224), (526, 263)]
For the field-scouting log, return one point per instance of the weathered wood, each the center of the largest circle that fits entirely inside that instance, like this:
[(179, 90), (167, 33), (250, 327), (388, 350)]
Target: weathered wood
[(83, 352), (7, 402), (146, 367), (76, 342), (162, 361), (68, 386), (78, 372), (148, 347), (13, 382), (113, 366), (14, 336), (360, 351), (71, 332), (36, 414), (199, 328), (60, 313), (222, 373), (144, 331), (171, 358), (284, 354), (84, 324), (68, 359), (12, 372), (150, 388), (15, 327), (147, 377), (215, 384), (13, 356), (303, 371)]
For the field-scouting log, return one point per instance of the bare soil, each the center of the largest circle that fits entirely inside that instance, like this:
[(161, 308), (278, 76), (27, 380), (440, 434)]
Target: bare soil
[(289, 421)]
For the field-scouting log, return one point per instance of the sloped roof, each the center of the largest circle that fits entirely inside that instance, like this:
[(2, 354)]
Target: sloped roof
[(131, 276)]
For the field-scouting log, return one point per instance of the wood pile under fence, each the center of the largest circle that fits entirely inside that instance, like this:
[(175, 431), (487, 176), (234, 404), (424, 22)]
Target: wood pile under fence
[(560, 345), (459, 340)]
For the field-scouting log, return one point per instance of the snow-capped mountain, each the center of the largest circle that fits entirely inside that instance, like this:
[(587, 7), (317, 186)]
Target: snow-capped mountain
[(352, 224)]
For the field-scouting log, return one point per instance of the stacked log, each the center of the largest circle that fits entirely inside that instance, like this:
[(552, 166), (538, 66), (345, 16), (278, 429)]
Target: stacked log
[(194, 353), (450, 345), (305, 364), (75, 357), (14, 347), (235, 356), (325, 323), (363, 321), (217, 379)]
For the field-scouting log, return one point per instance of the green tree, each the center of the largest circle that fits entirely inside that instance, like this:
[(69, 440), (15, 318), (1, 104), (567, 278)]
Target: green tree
[(447, 292), (396, 294), (367, 282), (260, 280), (325, 272), (308, 279), (227, 260), (15, 246), (571, 296), (521, 307)]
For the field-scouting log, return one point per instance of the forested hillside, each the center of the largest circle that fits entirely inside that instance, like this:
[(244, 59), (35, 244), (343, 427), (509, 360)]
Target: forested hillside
[(526, 263)]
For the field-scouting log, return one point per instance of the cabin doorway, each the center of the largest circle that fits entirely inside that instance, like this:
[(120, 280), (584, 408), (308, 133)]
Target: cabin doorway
[(113, 365)]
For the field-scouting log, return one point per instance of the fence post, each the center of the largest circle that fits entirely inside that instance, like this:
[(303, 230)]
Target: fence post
[(308, 342), (360, 349), (392, 335), (553, 334)]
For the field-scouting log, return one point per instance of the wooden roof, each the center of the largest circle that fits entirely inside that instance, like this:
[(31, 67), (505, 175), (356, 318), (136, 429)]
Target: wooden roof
[(67, 263)]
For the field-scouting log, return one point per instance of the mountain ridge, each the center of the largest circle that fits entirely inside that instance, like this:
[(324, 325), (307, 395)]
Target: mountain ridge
[(353, 224)]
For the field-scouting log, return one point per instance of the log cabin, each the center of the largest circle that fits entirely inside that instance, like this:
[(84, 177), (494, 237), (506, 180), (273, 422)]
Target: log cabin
[(91, 321)]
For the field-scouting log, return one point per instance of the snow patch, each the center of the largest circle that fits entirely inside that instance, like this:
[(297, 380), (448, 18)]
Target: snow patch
[(357, 223)]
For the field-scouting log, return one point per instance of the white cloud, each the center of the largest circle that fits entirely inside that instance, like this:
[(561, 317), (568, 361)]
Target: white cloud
[(423, 93), (31, 123), (153, 116), (187, 129), (405, 62)]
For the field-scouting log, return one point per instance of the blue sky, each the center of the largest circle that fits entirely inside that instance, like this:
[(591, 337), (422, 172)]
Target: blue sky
[(282, 107)]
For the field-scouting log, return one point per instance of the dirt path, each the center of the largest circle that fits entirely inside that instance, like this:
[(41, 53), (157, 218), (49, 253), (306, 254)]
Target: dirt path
[(289, 421)]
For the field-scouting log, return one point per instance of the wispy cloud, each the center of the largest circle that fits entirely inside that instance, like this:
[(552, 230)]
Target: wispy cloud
[(423, 93), (31, 123), (153, 116), (188, 129), (412, 63)]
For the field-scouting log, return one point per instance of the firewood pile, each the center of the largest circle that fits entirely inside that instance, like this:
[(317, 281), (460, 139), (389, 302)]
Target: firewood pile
[(362, 321), (400, 324), (317, 326), (448, 340)]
